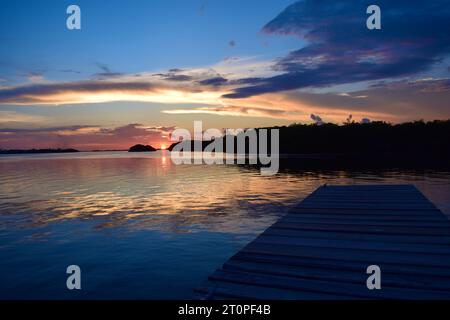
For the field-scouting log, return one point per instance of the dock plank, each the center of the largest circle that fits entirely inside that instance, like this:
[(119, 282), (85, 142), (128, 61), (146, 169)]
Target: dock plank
[(323, 246), (361, 216), (346, 289), (355, 244), (389, 279), (364, 229), (370, 257), (351, 212), (369, 238), (367, 221), (339, 265)]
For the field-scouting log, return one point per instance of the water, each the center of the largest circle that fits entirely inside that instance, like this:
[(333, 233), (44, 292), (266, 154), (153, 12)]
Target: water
[(142, 228)]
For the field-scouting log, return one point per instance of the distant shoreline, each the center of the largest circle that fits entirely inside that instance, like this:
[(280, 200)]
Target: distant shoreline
[(298, 161), (38, 151)]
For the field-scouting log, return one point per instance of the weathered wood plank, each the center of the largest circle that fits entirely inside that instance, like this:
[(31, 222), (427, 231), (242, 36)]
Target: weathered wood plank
[(407, 239), (387, 212), (354, 244), (322, 247), (227, 290), (356, 206), (372, 217), (369, 222), (325, 287), (339, 265), (370, 257), (364, 229), (389, 279)]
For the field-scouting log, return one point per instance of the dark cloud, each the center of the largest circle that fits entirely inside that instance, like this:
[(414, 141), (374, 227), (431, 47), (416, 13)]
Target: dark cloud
[(104, 67), (207, 78), (106, 72), (176, 70), (174, 75), (420, 85), (34, 93), (70, 71), (398, 100), (215, 81), (340, 49), (40, 92), (177, 77)]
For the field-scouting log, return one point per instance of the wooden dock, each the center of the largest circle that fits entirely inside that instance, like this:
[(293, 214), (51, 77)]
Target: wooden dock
[(322, 248)]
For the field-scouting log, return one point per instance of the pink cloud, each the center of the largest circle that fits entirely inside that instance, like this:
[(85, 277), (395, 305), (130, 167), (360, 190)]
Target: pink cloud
[(85, 137)]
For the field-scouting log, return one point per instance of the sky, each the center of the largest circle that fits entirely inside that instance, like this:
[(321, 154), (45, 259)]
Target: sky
[(139, 69)]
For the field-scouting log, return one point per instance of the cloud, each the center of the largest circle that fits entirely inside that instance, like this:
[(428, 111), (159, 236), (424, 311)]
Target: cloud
[(85, 137), (106, 72), (215, 81), (383, 100), (54, 93), (103, 67), (205, 85), (70, 71), (195, 85), (174, 75), (35, 77), (137, 88), (317, 119), (340, 49), (12, 117), (395, 101), (236, 111), (336, 49), (426, 85)]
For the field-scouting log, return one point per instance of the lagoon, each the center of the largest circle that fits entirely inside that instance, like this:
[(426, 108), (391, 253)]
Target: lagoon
[(141, 227)]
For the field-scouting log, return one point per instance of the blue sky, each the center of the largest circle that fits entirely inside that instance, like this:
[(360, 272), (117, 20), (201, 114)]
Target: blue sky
[(133, 36), (138, 68)]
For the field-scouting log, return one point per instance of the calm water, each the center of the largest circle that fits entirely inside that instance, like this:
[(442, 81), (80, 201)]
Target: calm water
[(140, 227)]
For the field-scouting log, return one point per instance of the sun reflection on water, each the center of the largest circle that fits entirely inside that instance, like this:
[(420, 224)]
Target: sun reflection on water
[(153, 193)]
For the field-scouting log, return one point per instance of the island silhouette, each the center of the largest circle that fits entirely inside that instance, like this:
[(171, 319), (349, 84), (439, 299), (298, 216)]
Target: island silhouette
[(360, 142), (141, 148)]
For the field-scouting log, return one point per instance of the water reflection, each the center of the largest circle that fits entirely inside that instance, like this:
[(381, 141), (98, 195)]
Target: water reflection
[(153, 193), (140, 226)]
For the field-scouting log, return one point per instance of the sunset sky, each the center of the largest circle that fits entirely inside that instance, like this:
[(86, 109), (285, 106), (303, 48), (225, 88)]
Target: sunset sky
[(138, 69)]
